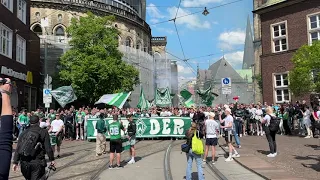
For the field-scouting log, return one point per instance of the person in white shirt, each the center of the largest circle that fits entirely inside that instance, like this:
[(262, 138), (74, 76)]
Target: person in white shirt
[(212, 131), (56, 130), (228, 121), (307, 121)]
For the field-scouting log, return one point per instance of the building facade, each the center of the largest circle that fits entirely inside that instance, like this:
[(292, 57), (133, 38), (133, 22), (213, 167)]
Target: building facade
[(134, 37), (285, 27), (20, 53)]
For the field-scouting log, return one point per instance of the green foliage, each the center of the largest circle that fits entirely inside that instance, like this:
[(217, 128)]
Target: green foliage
[(93, 65), (258, 79), (305, 60)]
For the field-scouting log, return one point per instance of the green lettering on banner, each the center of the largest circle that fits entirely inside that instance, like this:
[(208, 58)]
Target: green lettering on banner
[(148, 127)]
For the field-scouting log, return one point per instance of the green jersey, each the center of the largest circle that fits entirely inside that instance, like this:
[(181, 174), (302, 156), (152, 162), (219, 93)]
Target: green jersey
[(40, 115), (23, 119), (52, 117), (80, 117), (101, 126), (115, 130)]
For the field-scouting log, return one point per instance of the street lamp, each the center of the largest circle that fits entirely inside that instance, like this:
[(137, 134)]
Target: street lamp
[(205, 11)]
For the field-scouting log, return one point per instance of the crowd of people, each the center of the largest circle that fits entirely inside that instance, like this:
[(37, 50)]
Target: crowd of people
[(48, 129)]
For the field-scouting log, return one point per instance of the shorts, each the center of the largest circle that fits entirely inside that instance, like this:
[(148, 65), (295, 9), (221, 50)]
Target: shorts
[(132, 141), (115, 146), (56, 140), (228, 136), (211, 141)]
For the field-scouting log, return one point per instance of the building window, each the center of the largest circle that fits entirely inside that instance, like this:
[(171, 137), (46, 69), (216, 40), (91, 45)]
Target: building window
[(128, 42), (21, 50), (37, 29), (279, 37), (21, 10), (8, 4), (59, 31), (37, 15), (281, 88), (314, 28), (5, 41), (59, 17)]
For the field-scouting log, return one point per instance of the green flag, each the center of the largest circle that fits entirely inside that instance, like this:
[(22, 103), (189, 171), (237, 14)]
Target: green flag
[(117, 99), (162, 97), (187, 98), (206, 96), (143, 102), (64, 95)]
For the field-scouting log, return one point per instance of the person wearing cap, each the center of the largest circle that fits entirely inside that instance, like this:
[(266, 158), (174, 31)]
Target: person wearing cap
[(34, 167), (212, 132), (56, 129), (228, 127)]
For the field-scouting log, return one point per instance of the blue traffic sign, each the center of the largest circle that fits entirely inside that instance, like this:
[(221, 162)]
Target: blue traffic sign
[(226, 81), (47, 91)]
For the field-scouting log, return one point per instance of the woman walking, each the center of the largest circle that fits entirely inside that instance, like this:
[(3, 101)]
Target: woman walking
[(271, 135), (191, 155)]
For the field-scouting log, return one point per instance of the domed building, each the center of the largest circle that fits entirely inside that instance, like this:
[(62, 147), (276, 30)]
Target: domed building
[(50, 18)]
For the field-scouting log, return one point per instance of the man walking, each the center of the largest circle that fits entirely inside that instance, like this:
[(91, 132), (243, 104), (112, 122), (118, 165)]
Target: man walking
[(32, 146), (114, 130), (56, 130), (132, 138), (212, 130)]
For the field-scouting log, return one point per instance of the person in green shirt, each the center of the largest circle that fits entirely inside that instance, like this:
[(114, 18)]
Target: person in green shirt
[(101, 137), (114, 130), (51, 116), (23, 121), (80, 115), (40, 114)]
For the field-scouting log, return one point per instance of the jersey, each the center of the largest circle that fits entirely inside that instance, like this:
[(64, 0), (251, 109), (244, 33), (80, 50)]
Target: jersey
[(115, 130), (52, 117), (23, 119)]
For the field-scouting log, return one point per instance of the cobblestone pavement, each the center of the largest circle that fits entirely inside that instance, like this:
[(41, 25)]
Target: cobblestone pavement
[(295, 154), (78, 160)]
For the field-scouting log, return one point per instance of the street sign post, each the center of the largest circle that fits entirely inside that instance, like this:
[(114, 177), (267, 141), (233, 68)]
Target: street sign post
[(226, 85), (47, 97)]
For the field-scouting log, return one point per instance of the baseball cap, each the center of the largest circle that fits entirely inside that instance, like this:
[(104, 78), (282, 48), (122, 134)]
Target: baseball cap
[(34, 119)]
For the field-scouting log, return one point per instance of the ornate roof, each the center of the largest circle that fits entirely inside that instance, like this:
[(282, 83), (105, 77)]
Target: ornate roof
[(270, 3)]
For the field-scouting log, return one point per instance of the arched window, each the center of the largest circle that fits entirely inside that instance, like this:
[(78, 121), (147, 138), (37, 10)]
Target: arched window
[(37, 29), (139, 45), (59, 31), (129, 42)]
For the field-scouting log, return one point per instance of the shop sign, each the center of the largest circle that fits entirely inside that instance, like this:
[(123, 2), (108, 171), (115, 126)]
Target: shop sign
[(10, 72)]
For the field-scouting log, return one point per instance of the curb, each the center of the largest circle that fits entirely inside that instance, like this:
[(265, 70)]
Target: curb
[(246, 167)]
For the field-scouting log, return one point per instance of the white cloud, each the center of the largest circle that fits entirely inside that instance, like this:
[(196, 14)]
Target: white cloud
[(195, 3), (153, 21), (184, 70), (231, 38), (154, 12), (165, 30), (235, 59), (191, 21)]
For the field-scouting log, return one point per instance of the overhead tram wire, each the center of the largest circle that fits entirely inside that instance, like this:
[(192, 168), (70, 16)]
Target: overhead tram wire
[(214, 7), (198, 57)]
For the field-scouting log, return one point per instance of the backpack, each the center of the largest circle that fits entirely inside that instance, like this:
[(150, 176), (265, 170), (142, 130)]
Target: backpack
[(274, 123), (29, 143), (197, 145)]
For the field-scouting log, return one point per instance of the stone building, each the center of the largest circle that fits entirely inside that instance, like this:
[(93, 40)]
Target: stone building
[(19, 54), (134, 40), (282, 27)]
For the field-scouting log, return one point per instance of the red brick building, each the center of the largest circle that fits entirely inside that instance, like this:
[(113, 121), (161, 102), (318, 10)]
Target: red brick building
[(19, 53), (285, 26)]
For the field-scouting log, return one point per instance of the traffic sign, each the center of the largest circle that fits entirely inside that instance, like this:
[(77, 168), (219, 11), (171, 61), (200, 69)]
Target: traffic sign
[(48, 80), (226, 90), (47, 97), (226, 82), (46, 91)]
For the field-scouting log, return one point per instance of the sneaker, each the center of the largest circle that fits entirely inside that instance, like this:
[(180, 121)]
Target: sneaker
[(110, 167), (307, 137), (118, 166), (203, 160), (270, 155), (275, 154), (132, 161), (240, 135), (213, 162), (239, 146), (229, 159), (236, 155)]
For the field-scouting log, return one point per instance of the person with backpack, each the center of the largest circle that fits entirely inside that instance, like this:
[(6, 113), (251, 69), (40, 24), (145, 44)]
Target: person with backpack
[(194, 144), (32, 146), (271, 126)]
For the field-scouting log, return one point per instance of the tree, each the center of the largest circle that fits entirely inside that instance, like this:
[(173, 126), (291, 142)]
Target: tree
[(303, 77), (258, 79), (93, 65)]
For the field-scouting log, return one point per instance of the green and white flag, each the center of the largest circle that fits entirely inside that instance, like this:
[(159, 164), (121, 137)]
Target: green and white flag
[(206, 96), (64, 95), (117, 100), (163, 97), (187, 98), (143, 102)]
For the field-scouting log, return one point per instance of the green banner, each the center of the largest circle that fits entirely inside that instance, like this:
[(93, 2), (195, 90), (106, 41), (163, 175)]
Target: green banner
[(148, 127)]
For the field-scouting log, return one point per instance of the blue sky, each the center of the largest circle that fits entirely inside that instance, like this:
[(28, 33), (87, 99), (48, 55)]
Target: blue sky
[(223, 30)]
